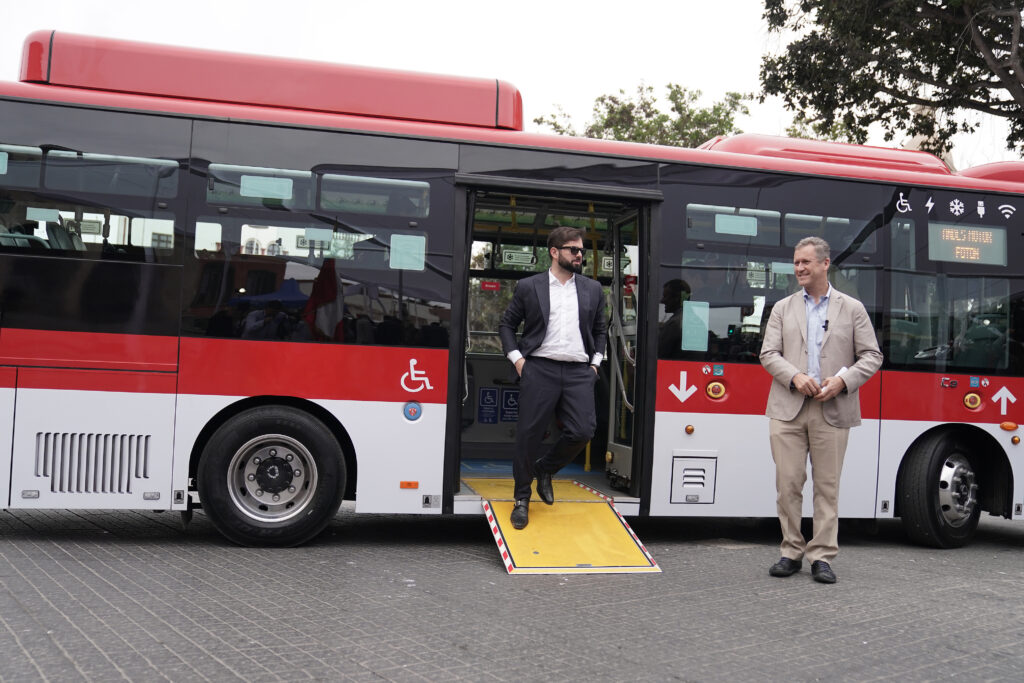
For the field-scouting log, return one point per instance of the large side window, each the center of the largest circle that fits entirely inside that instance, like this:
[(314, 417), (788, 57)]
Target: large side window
[(91, 203), (321, 237), (733, 260), (78, 190), (954, 305)]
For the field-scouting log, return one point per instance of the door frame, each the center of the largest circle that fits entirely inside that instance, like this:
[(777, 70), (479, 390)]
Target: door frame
[(467, 184)]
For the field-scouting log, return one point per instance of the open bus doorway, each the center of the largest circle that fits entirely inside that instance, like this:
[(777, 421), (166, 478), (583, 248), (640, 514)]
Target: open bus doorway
[(508, 241)]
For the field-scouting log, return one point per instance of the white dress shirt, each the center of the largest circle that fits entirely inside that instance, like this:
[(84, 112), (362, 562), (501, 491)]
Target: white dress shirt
[(562, 339)]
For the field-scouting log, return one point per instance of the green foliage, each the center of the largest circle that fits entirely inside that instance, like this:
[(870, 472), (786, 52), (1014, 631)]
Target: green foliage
[(638, 119), (917, 67)]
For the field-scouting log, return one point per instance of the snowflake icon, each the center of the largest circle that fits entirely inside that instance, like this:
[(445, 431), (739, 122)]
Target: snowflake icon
[(956, 207)]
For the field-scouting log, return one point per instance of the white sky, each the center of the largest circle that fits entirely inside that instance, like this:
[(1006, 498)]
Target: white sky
[(557, 52)]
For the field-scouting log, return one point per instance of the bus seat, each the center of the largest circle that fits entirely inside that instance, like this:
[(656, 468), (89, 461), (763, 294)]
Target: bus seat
[(58, 236), (76, 241)]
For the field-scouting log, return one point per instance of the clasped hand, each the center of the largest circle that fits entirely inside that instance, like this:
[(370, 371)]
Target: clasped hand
[(828, 389)]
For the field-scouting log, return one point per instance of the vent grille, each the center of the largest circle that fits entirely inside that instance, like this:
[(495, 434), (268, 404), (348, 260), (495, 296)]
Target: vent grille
[(694, 476), (92, 463)]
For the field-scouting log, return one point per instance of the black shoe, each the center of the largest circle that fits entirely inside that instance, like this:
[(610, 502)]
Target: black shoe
[(521, 514), (785, 567), (822, 573), (544, 490)]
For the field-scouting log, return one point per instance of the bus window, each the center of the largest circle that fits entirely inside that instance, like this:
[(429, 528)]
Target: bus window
[(361, 194), (106, 174), (20, 166), (841, 233), (731, 224), (266, 187)]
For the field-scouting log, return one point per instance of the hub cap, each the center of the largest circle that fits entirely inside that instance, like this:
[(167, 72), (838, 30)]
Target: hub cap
[(272, 478), (957, 490)]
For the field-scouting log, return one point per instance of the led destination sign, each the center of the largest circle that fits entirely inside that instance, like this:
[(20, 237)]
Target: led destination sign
[(967, 244)]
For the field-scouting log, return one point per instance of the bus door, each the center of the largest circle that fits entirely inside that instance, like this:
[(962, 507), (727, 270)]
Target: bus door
[(621, 259), (508, 234)]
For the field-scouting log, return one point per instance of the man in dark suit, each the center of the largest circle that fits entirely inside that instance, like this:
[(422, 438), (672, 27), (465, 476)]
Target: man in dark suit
[(557, 359)]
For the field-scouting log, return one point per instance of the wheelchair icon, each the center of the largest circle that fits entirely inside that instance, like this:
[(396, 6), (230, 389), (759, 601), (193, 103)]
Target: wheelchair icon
[(903, 206), (418, 378)]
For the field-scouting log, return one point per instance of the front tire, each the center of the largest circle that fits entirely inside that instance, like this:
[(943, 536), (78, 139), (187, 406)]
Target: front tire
[(271, 476), (939, 493)]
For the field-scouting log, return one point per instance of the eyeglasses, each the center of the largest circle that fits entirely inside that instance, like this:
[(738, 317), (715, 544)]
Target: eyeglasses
[(575, 251)]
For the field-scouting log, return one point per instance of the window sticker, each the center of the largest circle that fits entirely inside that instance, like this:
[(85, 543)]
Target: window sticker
[(736, 225), (695, 325), (782, 268), (408, 252), (265, 188), (43, 215)]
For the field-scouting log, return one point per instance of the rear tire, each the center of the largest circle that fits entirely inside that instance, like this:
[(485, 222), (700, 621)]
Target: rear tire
[(938, 493), (271, 476)]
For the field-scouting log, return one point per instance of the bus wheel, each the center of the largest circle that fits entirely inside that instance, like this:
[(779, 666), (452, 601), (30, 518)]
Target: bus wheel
[(939, 493), (271, 476)]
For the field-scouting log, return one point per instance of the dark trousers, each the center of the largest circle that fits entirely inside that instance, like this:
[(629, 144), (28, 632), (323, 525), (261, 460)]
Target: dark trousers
[(551, 388)]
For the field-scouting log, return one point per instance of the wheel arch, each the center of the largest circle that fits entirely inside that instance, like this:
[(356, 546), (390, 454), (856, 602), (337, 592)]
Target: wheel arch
[(319, 412), (988, 458)]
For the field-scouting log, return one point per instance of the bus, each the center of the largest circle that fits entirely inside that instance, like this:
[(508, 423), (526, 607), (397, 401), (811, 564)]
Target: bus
[(262, 287)]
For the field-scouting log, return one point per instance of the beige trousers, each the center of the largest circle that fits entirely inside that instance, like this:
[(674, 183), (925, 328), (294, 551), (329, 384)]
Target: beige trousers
[(791, 442)]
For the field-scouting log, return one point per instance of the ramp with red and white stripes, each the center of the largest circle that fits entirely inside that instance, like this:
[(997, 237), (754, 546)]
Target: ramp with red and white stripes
[(582, 533)]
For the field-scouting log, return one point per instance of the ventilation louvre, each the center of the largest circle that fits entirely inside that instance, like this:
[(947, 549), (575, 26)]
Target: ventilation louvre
[(91, 463)]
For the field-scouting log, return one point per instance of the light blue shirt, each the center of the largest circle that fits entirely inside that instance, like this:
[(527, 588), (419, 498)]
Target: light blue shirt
[(816, 321)]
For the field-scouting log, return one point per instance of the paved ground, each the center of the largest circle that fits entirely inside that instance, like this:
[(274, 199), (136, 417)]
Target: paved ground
[(105, 596)]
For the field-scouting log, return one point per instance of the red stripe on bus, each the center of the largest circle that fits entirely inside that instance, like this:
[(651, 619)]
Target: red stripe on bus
[(229, 367), (96, 380), (88, 350), (8, 378), (746, 387), (917, 396), (941, 397)]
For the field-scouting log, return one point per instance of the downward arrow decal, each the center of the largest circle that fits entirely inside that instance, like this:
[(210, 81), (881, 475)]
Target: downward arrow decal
[(685, 392)]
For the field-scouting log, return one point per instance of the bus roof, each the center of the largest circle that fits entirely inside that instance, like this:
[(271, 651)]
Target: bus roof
[(120, 74), (67, 59)]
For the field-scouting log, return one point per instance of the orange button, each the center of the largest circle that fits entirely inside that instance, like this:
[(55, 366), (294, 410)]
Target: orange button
[(408, 484), (715, 390)]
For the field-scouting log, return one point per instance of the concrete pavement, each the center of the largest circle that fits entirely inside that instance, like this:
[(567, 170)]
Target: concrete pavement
[(118, 595)]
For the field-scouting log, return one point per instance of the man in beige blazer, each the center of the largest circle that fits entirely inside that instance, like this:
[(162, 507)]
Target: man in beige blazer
[(819, 347)]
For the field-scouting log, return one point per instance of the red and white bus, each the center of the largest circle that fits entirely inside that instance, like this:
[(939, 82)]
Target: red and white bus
[(265, 286)]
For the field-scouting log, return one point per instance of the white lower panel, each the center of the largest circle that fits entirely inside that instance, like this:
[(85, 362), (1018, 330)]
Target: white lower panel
[(391, 449), (743, 472), (92, 450)]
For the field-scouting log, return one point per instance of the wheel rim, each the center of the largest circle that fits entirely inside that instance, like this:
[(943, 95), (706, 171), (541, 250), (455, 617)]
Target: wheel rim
[(957, 490), (272, 478)]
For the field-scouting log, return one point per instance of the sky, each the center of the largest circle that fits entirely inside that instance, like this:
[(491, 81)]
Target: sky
[(556, 52)]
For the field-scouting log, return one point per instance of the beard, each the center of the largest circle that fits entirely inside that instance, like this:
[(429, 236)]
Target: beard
[(570, 265)]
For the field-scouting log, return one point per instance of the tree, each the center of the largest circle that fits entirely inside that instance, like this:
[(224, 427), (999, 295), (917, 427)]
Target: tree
[(638, 119), (919, 67)]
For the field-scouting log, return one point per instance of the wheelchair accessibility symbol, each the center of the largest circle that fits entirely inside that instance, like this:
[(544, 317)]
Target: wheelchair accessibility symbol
[(415, 380)]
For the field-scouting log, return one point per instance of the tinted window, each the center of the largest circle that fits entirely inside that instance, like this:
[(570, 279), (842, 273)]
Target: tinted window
[(312, 236), (721, 276), (89, 184)]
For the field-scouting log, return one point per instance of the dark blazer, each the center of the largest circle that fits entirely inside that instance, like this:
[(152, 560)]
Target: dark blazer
[(532, 303)]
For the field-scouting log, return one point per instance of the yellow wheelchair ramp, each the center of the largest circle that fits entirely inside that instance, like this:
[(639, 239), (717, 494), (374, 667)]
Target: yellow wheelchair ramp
[(582, 533)]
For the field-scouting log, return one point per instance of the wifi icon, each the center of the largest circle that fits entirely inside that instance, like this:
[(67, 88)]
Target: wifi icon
[(1007, 210)]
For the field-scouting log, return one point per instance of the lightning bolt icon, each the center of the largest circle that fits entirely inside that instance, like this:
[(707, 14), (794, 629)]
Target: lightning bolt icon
[(929, 204)]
